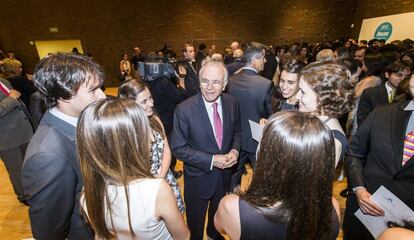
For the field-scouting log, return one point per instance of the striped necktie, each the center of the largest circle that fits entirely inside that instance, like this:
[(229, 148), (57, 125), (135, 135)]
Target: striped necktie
[(408, 147), (4, 89)]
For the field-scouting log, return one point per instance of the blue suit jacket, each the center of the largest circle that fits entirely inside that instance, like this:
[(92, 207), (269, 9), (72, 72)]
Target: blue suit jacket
[(194, 143)]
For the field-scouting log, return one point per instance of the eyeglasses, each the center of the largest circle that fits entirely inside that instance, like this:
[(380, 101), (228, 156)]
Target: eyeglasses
[(214, 83)]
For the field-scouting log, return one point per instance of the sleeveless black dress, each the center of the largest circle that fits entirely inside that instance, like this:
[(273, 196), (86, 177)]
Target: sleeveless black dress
[(255, 226)]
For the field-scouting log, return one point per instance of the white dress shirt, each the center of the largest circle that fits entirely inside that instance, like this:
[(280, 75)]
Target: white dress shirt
[(210, 111), (389, 89), (69, 119)]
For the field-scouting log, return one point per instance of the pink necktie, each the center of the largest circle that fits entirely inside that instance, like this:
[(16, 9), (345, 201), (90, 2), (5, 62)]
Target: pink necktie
[(218, 126)]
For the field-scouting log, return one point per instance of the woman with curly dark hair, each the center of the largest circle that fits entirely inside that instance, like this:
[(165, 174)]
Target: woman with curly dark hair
[(326, 91), (286, 89), (290, 196)]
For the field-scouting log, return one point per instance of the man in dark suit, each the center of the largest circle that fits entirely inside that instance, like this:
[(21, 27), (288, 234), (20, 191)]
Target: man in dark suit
[(237, 63), (51, 177), (206, 136), (200, 56), (384, 93), (15, 133), (254, 93), (192, 84), (270, 66), (137, 57), (378, 157)]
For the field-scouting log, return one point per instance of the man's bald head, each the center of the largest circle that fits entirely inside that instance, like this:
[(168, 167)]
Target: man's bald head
[(234, 46), (238, 53)]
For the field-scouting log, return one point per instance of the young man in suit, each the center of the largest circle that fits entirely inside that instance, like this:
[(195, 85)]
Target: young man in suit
[(191, 81), (206, 137), (200, 56), (254, 93), (51, 177), (380, 155), (15, 133), (384, 93)]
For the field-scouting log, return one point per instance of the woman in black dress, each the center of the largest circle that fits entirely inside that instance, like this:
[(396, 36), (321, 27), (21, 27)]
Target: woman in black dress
[(290, 196)]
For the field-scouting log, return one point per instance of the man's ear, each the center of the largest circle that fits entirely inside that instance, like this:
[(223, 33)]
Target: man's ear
[(224, 86), (387, 75)]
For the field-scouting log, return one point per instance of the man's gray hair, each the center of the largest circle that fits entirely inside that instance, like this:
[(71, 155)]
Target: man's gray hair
[(254, 50), (212, 63)]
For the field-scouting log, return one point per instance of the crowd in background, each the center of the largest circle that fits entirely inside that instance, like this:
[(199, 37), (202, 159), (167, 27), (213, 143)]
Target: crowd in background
[(90, 165)]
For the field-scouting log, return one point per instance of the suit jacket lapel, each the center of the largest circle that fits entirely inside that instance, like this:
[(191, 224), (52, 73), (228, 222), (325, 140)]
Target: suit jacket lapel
[(205, 120), (398, 126), (226, 120), (383, 95)]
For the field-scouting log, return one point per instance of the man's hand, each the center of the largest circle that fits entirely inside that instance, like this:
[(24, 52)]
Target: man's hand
[(14, 94), (231, 158), (181, 75), (367, 205), (219, 161), (263, 122)]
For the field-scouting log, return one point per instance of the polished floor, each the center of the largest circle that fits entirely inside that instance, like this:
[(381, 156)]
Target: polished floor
[(14, 220)]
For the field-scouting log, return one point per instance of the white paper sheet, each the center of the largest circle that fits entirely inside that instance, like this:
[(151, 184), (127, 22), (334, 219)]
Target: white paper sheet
[(256, 130), (395, 211)]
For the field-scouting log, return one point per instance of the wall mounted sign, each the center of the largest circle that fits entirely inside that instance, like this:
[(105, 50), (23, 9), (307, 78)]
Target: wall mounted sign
[(383, 31)]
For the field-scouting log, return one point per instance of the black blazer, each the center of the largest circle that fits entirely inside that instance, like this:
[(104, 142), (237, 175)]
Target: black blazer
[(191, 82), (254, 93), (194, 143), (24, 86), (234, 66), (52, 182), (371, 98), (375, 154), (166, 97), (199, 57), (270, 66)]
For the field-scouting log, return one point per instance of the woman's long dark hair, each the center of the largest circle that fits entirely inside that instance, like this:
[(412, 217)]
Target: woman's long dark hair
[(292, 182), (130, 89)]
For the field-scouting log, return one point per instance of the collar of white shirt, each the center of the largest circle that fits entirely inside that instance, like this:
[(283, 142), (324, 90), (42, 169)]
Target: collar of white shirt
[(210, 104), (69, 119), (249, 68), (388, 87)]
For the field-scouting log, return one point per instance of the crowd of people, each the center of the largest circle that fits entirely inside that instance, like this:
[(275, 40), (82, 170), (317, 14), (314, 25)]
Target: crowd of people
[(92, 166)]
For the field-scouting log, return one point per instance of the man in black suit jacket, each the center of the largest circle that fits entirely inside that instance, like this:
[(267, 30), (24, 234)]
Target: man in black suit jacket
[(384, 93), (51, 177), (192, 84), (200, 56), (15, 133), (237, 64), (254, 93), (270, 66), (206, 136), (375, 159)]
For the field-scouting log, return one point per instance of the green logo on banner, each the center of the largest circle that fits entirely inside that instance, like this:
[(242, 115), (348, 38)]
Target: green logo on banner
[(383, 31)]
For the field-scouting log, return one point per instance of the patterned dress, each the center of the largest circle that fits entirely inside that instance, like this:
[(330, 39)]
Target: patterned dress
[(157, 149)]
